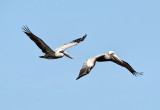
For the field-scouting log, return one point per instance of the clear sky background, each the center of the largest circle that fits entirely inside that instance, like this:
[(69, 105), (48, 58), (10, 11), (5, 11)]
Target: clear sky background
[(130, 28)]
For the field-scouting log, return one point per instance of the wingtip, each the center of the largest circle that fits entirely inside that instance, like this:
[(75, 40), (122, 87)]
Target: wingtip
[(137, 73), (24, 26), (85, 35), (80, 39), (25, 29), (77, 78)]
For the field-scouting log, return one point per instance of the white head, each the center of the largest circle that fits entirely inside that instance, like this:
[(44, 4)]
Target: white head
[(114, 56), (111, 53)]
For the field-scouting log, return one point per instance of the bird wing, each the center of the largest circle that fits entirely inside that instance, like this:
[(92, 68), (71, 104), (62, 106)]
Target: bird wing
[(74, 42), (87, 67), (126, 65), (44, 47)]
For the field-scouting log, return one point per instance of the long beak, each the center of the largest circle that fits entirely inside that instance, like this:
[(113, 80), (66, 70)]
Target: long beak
[(67, 55), (116, 58)]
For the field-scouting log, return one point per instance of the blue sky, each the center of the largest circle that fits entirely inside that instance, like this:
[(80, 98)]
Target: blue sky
[(130, 28)]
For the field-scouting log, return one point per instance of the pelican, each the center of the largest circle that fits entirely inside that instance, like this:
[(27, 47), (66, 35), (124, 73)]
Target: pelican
[(49, 53), (110, 56)]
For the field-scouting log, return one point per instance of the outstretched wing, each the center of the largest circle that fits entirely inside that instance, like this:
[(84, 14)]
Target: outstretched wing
[(126, 65), (87, 67), (44, 47), (74, 42)]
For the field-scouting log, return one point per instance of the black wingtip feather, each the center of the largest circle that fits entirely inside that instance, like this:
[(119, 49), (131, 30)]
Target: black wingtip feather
[(80, 39), (84, 37), (137, 73), (77, 78), (26, 29)]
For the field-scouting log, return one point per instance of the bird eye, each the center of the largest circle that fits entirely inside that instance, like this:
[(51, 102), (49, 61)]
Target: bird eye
[(62, 51), (112, 54)]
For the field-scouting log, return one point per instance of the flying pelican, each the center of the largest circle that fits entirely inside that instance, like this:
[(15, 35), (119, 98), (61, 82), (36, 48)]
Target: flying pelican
[(49, 53), (110, 56)]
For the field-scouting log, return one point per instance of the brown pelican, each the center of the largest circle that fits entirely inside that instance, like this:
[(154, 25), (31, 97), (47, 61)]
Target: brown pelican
[(49, 53), (110, 56)]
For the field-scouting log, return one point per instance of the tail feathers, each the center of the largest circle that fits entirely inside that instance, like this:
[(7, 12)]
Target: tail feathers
[(41, 56)]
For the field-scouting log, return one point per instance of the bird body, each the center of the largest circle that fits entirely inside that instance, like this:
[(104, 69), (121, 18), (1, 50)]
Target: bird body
[(88, 64), (110, 56), (49, 53), (54, 55)]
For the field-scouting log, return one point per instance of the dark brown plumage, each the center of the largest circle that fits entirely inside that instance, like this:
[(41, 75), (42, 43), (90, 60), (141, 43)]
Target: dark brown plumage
[(80, 39), (49, 53), (110, 56), (127, 66), (44, 47)]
